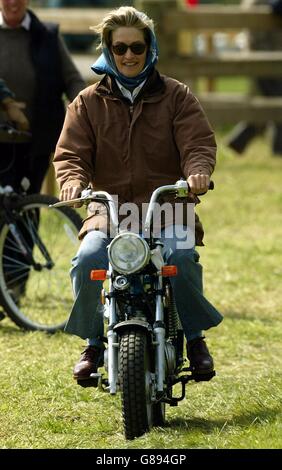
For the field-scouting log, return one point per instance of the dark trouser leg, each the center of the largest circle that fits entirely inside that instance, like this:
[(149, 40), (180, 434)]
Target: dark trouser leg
[(277, 140), (38, 169), (13, 168), (242, 135), (13, 164)]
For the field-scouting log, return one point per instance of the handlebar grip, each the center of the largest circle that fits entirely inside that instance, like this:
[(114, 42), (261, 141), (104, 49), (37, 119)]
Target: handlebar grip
[(211, 187)]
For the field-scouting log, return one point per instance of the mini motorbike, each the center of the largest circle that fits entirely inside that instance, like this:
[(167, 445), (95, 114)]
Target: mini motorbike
[(143, 357)]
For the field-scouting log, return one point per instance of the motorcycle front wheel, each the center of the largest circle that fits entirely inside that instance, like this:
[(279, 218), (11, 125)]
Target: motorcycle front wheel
[(139, 413)]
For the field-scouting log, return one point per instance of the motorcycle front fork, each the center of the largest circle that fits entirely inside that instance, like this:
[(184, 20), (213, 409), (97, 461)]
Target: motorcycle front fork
[(112, 360), (159, 343)]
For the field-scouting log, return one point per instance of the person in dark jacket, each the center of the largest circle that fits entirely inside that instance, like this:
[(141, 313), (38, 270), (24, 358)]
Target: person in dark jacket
[(276, 6), (12, 108), (244, 132), (113, 141), (37, 68)]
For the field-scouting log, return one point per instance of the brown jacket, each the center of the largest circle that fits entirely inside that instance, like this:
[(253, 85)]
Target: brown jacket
[(130, 150)]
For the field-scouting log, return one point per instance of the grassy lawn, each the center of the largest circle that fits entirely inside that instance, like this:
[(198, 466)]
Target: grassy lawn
[(42, 407)]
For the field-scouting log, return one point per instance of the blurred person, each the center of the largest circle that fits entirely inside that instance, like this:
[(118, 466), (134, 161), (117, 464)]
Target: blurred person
[(12, 108), (113, 141), (276, 6), (37, 68), (244, 132)]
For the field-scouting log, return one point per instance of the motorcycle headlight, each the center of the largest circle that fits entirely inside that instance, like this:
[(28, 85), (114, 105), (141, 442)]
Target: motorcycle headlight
[(128, 253)]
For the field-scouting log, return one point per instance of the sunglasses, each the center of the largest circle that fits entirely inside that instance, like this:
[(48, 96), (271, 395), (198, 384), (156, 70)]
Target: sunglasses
[(136, 47)]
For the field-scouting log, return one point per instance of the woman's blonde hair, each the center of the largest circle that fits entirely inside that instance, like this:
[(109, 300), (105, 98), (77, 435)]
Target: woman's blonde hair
[(123, 16)]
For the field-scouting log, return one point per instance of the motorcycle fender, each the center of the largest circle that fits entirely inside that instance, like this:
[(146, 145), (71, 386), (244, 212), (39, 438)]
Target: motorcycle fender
[(134, 323)]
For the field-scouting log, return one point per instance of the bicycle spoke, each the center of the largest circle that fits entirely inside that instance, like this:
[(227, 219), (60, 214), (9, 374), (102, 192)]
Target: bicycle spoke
[(39, 296)]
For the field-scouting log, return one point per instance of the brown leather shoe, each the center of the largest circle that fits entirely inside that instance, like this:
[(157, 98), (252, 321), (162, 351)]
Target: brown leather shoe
[(91, 358), (198, 354)]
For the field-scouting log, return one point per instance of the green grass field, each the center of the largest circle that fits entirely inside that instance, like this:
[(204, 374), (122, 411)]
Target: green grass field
[(42, 407)]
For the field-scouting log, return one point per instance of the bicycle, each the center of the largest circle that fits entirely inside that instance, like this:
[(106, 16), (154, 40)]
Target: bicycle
[(35, 245)]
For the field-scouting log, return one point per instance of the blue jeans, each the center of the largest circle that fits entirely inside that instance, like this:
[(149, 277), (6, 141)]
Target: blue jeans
[(86, 319)]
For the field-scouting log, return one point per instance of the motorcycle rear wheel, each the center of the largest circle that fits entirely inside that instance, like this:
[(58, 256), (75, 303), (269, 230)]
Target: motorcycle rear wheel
[(136, 384)]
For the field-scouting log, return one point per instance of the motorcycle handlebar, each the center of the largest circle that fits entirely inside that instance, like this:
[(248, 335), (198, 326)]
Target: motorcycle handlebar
[(180, 189), (88, 195)]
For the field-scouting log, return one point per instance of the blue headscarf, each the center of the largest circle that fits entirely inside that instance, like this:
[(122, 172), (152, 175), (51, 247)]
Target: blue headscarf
[(106, 64)]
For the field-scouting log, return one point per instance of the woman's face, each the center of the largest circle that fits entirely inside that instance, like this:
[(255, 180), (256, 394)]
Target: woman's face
[(129, 63), (13, 11)]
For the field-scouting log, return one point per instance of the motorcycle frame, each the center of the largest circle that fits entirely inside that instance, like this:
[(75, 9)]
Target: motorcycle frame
[(181, 189), (156, 334)]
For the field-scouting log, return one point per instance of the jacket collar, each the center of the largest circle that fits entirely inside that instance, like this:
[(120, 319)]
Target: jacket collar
[(153, 88), (25, 23)]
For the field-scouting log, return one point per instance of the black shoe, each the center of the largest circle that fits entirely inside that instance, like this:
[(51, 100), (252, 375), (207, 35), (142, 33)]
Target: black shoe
[(201, 362), (91, 358)]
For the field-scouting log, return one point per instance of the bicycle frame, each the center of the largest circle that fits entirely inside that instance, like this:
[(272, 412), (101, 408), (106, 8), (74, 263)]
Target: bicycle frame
[(8, 212)]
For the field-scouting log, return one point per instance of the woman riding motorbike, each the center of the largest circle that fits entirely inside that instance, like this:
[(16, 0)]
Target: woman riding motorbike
[(128, 134)]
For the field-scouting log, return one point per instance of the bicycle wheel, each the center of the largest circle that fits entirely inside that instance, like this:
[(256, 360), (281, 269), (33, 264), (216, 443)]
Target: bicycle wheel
[(35, 292)]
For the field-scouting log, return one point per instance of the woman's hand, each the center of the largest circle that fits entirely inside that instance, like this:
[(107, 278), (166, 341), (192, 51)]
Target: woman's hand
[(71, 192), (199, 183)]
